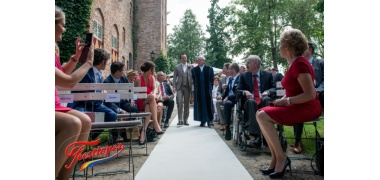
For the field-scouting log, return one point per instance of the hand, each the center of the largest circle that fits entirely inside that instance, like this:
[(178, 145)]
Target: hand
[(165, 98), (150, 97), (248, 95), (218, 98), (280, 102), (224, 86), (173, 90), (123, 112), (133, 104), (265, 93), (78, 48), (225, 100)]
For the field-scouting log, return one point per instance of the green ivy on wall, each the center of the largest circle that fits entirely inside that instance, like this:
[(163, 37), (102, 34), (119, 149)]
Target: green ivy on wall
[(77, 18)]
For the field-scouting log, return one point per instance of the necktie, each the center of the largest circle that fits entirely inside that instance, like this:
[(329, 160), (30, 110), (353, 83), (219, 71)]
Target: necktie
[(162, 89), (256, 90), (230, 85)]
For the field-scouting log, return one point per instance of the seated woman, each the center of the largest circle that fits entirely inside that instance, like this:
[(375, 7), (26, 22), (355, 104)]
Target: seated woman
[(70, 125), (149, 104), (300, 103)]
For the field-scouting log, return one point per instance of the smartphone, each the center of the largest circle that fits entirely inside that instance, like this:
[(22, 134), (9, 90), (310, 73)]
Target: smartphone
[(88, 41)]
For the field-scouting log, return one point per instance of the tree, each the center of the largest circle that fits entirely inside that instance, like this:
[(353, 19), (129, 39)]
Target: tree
[(187, 38), (216, 44), (162, 63), (257, 25)]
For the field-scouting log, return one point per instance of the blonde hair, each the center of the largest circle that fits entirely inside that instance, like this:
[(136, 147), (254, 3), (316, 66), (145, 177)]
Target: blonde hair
[(59, 14), (295, 40)]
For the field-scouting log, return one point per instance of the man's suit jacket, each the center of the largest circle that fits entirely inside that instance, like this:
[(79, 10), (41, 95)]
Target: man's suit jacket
[(277, 77), (112, 105), (221, 91), (234, 89), (178, 76), (88, 78), (168, 90), (318, 65), (266, 82)]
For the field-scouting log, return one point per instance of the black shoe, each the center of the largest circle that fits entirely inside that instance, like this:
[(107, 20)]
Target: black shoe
[(166, 124), (211, 123), (257, 142), (180, 123), (280, 174), (202, 124), (186, 123), (160, 132), (267, 171), (228, 134)]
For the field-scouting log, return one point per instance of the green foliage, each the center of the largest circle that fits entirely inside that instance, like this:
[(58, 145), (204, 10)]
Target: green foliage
[(162, 63), (77, 18), (256, 25), (217, 47), (187, 37)]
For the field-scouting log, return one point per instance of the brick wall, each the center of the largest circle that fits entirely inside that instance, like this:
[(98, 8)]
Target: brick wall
[(151, 32), (116, 19)]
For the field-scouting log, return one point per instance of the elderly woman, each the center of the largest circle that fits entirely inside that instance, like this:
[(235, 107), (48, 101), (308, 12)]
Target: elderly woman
[(300, 103)]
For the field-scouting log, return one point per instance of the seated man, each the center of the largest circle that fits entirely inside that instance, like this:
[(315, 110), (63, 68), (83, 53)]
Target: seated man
[(256, 86), (229, 97), (167, 97), (117, 76), (94, 75), (124, 106), (219, 100)]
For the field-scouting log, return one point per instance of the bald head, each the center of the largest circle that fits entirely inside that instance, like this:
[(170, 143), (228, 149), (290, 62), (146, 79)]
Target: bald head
[(201, 60)]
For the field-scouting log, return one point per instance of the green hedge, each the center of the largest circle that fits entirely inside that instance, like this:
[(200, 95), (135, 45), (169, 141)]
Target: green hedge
[(77, 17)]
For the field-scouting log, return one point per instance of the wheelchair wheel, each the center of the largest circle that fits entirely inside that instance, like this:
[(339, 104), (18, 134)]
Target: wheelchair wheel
[(241, 138)]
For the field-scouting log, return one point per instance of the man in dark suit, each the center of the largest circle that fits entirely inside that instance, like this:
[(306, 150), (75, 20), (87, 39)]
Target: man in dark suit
[(255, 99), (117, 76), (318, 65), (167, 97), (94, 75), (276, 76), (229, 97)]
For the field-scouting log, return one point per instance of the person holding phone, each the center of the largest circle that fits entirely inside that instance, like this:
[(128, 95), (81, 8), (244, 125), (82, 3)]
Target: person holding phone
[(70, 125), (300, 103)]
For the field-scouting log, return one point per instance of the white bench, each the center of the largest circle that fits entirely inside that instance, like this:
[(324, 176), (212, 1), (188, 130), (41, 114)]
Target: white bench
[(125, 91)]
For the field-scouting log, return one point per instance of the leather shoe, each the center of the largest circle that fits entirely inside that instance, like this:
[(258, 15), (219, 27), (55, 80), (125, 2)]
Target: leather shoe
[(298, 148), (202, 124), (228, 134), (256, 142), (211, 123), (180, 123), (186, 123), (166, 124), (222, 127)]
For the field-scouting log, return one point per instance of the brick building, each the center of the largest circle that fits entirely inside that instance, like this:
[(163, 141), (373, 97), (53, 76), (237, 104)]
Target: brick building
[(114, 21)]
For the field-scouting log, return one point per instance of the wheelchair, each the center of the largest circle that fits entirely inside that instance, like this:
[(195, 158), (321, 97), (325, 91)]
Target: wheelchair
[(240, 128)]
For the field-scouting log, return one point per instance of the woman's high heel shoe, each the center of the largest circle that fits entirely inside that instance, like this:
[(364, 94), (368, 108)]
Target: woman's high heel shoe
[(280, 174), (267, 171), (142, 142)]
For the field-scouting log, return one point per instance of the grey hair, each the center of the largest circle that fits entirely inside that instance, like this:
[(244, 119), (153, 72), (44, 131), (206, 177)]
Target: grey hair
[(160, 73), (202, 57), (254, 57)]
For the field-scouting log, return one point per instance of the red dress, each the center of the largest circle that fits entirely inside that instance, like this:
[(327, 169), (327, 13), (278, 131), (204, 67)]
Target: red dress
[(58, 106), (149, 89), (295, 113)]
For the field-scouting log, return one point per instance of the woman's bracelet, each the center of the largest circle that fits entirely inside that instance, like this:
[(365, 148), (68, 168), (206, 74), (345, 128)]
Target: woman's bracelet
[(73, 59)]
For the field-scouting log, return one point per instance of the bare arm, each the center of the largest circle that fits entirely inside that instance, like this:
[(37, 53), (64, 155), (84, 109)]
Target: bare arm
[(70, 65), (308, 94), (70, 80)]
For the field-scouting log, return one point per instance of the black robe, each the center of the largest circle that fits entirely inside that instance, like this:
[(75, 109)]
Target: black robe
[(203, 84)]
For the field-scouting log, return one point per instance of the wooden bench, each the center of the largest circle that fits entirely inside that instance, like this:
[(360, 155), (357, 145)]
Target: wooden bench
[(125, 91)]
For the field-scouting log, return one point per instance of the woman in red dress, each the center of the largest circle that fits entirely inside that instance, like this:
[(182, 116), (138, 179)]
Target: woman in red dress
[(300, 103), (70, 125), (149, 104)]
